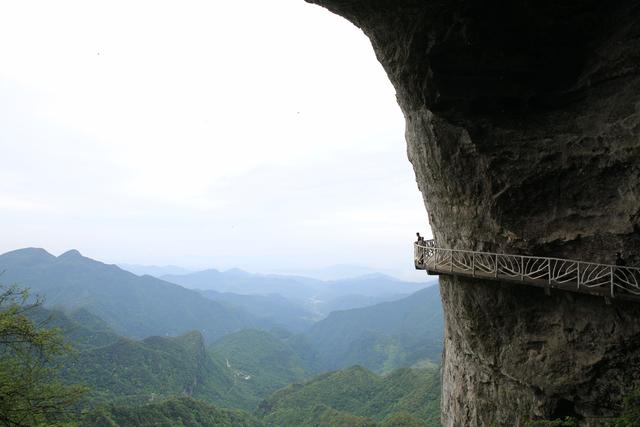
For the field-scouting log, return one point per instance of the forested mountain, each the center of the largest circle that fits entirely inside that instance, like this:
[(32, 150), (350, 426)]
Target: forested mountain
[(181, 411), (133, 306), (381, 337), (351, 397), (260, 362), (351, 301), (241, 282), (142, 379), (154, 270), (83, 329), (312, 296), (384, 336), (294, 287), (271, 309), (238, 370), (357, 392), (136, 372)]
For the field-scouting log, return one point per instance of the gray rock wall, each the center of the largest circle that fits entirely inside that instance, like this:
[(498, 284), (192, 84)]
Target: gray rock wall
[(523, 128)]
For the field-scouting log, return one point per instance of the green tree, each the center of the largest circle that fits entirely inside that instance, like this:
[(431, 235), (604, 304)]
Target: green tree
[(630, 416), (558, 422), (30, 390)]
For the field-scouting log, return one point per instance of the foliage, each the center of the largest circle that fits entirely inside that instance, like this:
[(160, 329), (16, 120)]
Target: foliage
[(558, 422), (259, 362), (382, 337), (358, 392), (322, 416), (630, 416), (137, 372), (30, 391), (173, 412), (82, 329), (402, 419)]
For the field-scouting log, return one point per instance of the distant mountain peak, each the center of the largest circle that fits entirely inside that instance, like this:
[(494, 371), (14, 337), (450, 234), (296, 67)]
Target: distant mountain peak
[(155, 270), (31, 251), (28, 256), (370, 276), (73, 253), (237, 272)]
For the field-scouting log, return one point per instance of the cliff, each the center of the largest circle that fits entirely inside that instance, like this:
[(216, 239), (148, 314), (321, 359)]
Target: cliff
[(523, 128)]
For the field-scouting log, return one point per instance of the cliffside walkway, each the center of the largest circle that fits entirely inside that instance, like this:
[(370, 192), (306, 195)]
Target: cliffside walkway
[(609, 281)]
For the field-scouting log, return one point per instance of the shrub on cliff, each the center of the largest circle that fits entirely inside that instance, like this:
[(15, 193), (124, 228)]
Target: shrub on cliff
[(630, 416)]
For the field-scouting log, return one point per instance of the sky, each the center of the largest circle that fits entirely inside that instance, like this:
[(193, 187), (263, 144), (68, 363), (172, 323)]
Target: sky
[(207, 134)]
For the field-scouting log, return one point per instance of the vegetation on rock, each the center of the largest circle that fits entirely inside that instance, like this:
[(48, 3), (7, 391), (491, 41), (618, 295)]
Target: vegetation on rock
[(31, 392)]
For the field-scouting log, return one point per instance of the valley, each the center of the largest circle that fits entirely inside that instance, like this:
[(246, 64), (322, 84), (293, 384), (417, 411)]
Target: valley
[(145, 347)]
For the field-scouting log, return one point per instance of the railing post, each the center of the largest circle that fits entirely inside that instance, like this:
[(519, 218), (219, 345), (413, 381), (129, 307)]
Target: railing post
[(451, 260), (612, 296), (521, 268), (496, 266), (547, 290), (473, 264), (578, 281)]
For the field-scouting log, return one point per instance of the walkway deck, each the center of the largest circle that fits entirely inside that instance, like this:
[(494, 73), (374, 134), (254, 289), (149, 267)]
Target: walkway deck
[(609, 281)]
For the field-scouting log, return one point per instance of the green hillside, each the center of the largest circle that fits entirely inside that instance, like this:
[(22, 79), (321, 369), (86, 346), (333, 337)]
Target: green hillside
[(292, 301), (170, 413), (137, 372), (136, 307), (173, 381), (260, 362), (83, 329), (350, 397), (382, 337), (359, 392), (170, 378)]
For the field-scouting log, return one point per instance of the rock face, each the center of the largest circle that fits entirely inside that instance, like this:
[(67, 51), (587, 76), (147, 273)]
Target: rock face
[(523, 128)]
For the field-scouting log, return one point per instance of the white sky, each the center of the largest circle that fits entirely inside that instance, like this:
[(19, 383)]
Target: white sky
[(255, 134)]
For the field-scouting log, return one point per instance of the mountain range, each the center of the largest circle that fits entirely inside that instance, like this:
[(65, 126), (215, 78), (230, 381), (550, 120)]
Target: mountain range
[(384, 336), (142, 342), (134, 306), (155, 381), (154, 270), (318, 298), (240, 371), (218, 303), (381, 336)]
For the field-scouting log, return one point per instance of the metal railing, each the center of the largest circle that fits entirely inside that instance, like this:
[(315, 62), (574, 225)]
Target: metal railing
[(577, 276)]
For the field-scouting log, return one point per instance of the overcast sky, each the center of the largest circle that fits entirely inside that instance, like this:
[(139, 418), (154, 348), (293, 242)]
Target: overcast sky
[(254, 134)]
